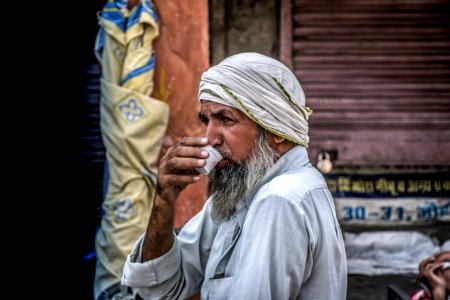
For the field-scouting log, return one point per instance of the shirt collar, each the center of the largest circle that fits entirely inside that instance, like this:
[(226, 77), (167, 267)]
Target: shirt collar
[(294, 159)]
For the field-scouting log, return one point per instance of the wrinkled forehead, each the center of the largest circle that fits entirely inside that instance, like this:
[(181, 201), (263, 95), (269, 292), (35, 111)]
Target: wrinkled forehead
[(208, 106), (206, 103)]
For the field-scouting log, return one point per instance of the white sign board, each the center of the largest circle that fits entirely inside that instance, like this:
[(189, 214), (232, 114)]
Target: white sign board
[(392, 211)]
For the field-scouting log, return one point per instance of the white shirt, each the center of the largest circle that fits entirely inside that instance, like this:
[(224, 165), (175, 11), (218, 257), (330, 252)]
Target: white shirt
[(283, 243)]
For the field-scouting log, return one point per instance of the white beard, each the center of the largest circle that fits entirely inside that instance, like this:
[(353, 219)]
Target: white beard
[(231, 184)]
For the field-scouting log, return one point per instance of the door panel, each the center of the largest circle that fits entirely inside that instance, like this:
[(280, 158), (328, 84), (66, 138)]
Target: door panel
[(376, 74)]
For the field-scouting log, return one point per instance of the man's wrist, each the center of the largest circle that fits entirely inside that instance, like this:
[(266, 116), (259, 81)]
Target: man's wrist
[(159, 236), (439, 294)]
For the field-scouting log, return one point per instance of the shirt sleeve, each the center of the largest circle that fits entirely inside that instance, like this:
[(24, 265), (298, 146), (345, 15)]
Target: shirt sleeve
[(178, 274), (139, 274)]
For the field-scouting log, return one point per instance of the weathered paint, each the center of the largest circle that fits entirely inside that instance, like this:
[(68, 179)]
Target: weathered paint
[(182, 52)]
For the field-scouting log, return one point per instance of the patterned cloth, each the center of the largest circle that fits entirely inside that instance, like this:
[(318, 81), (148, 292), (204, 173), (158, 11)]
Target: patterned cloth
[(132, 126)]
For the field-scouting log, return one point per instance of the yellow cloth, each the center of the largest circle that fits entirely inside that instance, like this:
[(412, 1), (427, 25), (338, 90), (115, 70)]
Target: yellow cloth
[(132, 126), (125, 52)]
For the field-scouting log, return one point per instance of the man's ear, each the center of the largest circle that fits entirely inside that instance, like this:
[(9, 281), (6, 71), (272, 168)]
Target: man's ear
[(278, 143), (278, 139), (274, 139)]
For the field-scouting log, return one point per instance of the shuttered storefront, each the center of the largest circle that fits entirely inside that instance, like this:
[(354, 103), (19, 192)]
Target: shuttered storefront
[(377, 75)]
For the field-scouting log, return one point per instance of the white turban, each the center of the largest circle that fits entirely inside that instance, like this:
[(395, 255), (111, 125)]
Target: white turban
[(264, 89)]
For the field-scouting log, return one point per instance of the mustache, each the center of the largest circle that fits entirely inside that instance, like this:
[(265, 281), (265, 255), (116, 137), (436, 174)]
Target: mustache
[(225, 154)]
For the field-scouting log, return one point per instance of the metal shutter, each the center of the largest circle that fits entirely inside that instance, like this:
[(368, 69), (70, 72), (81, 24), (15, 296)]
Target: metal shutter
[(377, 75)]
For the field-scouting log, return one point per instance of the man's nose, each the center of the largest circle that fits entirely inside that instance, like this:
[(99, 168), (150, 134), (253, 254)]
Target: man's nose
[(214, 134)]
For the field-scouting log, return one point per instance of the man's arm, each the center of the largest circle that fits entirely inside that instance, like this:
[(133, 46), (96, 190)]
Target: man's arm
[(162, 264), (177, 170), (179, 273)]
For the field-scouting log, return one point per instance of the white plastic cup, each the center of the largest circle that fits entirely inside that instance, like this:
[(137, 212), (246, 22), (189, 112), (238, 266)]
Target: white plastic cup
[(212, 160)]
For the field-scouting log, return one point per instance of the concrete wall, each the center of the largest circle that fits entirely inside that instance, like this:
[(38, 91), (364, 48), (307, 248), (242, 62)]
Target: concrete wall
[(181, 57), (243, 26)]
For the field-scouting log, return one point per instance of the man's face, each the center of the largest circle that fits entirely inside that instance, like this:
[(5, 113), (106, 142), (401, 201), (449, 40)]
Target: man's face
[(247, 157), (228, 130)]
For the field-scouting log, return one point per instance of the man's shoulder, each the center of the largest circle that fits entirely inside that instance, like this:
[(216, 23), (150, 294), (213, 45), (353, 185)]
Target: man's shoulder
[(296, 183), (306, 176)]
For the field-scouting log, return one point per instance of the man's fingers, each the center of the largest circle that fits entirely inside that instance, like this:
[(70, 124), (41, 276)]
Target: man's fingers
[(194, 141), (189, 147), (180, 163), (177, 167), (185, 151), (181, 180), (426, 262)]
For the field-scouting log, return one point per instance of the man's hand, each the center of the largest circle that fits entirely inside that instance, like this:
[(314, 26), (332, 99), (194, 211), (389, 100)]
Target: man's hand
[(177, 167), (176, 171), (437, 281)]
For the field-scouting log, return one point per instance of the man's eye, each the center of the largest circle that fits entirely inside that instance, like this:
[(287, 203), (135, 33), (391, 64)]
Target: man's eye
[(204, 120), (226, 120)]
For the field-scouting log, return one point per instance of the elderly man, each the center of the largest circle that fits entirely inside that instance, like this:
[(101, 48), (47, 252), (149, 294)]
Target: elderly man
[(269, 228)]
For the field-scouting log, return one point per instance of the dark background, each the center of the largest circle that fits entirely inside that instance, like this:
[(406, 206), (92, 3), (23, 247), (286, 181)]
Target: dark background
[(89, 148)]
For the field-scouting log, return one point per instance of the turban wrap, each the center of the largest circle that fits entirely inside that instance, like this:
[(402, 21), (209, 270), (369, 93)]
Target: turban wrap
[(262, 88)]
